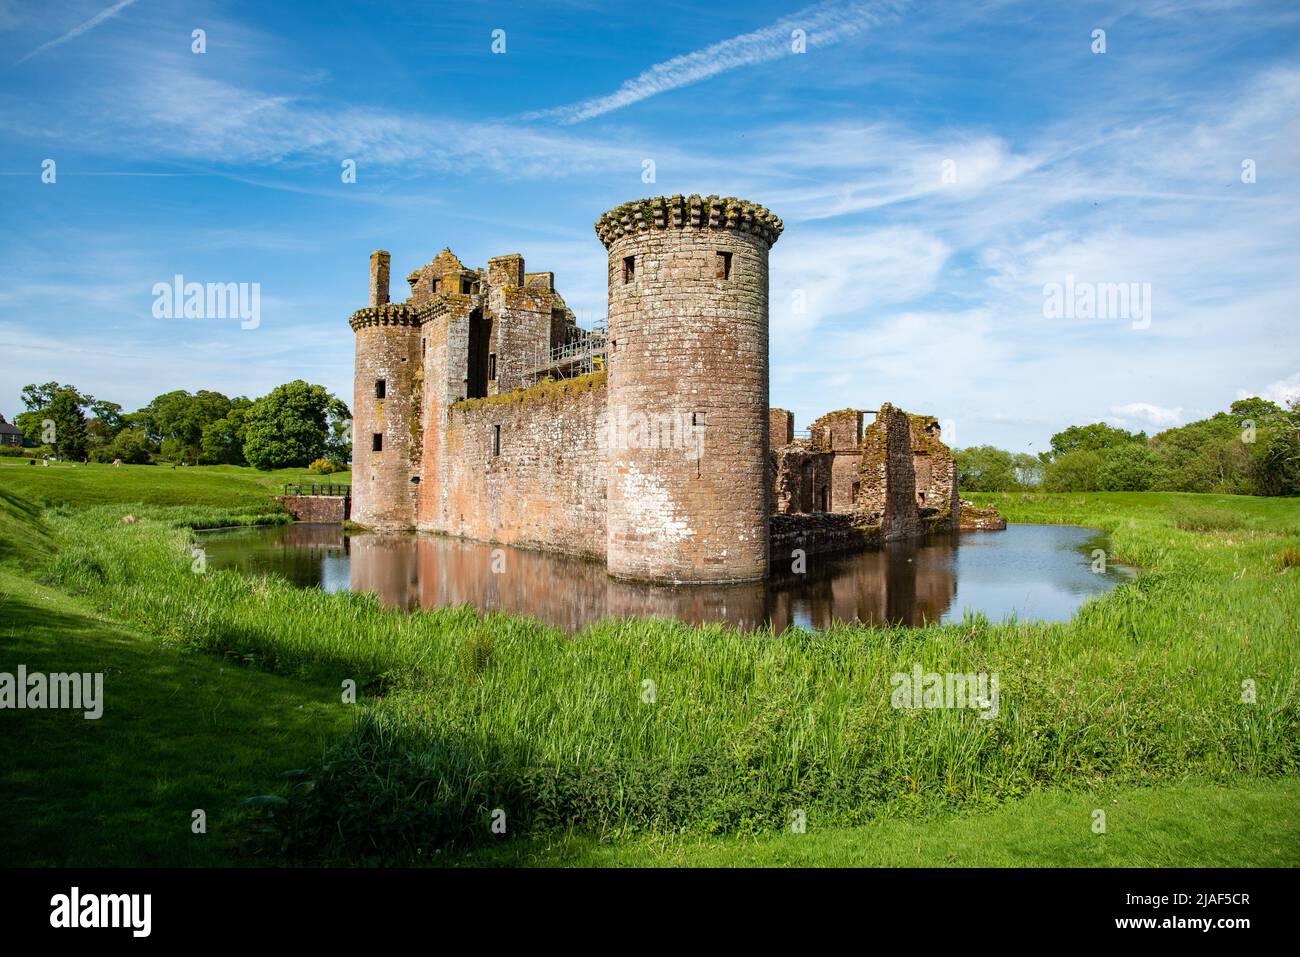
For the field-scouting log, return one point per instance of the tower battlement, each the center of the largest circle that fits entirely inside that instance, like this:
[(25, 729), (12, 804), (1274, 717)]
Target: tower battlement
[(680, 212)]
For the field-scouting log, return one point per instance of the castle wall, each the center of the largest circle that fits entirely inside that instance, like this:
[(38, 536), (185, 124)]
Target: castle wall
[(387, 349), (887, 498), (936, 475), (801, 479), (688, 328), (545, 487), (780, 427)]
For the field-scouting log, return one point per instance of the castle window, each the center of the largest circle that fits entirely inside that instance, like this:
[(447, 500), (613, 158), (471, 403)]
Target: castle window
[(492, 365), (464, 287), (421, 346), (435, 285), (377, 442), (723, 267), (629, 269), (496, 440), (381, 389)]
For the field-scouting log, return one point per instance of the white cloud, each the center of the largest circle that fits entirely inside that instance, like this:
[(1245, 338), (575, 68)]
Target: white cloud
[(1283, 391), (1145, 413), (816, 276), (823, 24)]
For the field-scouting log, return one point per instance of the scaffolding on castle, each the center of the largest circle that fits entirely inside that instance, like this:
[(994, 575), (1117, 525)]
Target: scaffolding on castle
[(584, 353)]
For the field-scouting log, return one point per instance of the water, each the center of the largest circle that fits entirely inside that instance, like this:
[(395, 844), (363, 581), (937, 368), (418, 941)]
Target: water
[(1039, 572)]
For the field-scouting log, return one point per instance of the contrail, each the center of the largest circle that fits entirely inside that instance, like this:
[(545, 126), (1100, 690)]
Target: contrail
[(823, 24), (78, 30)]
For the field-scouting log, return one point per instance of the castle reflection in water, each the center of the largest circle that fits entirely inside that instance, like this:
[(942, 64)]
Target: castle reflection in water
[(907, 585), (1033, 571)]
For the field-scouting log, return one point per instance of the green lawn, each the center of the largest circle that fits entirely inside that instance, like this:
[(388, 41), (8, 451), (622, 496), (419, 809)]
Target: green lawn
[(93, 484), (180, 731), (1186, 824), (221, 683)]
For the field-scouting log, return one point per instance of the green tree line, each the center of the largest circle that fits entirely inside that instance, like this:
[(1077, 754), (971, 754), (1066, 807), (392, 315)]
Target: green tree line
[(1251, 449), (293, 425)]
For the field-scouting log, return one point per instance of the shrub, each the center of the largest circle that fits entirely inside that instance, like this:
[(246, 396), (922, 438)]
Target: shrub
[(325, 466), (14, 451)]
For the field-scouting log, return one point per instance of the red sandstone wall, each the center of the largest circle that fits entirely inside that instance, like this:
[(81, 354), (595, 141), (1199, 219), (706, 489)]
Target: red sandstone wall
[(388, 348), (332, 509), (888, 494), (686, 341), (546, 488)]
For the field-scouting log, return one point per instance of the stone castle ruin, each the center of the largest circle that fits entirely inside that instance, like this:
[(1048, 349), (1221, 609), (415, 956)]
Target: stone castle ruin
[(483, 410)]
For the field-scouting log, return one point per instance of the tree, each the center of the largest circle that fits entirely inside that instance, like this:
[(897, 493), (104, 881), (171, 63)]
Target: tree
[(1029, 469), (223, 440), (1129, 468), (1275, 459), (132, 446), (177, 419), (288, 427), (985, 468), (1093, 438), (65, 412), (338, 447), (1073, 472), (38, 397)]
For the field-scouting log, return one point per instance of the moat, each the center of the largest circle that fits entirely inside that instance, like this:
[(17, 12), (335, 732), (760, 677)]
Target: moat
[(1038, 572)]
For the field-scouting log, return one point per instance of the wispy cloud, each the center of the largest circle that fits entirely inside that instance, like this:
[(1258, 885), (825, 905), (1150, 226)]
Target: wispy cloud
[(822, 25), (105, 14), (1145, 413)]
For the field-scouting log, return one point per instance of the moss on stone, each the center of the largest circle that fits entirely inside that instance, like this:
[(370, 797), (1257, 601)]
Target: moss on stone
[(548, 390)]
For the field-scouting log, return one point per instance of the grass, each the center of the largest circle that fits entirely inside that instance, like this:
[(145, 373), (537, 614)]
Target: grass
[(180, 731), (1138, 700), (471, 716), (227, 486), (1187, 824)]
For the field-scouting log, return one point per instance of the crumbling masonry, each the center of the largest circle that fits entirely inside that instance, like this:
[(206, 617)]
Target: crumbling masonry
[(482, 410)]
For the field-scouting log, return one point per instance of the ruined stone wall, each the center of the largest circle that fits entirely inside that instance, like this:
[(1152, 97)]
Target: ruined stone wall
[(780, 427), (326, 509), (543, 486), (688, 328), (820, 533), (838, 431), (522, 334), (887, 497), (936, 475), (387, 349), (845, 480), (801, 479)]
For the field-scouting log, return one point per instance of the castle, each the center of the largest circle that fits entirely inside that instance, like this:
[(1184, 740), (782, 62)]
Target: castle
[(483, 410)]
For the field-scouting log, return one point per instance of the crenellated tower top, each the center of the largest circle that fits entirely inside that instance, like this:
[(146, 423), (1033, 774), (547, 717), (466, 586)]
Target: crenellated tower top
[(678, 212)]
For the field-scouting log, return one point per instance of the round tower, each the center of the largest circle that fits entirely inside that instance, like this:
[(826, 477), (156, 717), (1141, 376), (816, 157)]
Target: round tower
[(387, 391), (687, 423)]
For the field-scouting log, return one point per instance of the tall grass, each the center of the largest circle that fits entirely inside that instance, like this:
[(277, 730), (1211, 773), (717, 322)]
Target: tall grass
[(469, 716)]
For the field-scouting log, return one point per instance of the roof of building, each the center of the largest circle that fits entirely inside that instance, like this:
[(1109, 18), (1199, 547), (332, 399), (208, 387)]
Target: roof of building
[(8, 429)]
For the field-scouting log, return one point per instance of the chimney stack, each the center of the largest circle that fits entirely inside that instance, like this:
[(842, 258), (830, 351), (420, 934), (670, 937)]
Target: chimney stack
[(379, 261)]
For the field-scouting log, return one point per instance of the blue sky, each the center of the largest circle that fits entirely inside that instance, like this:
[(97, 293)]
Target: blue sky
[(936, 166)]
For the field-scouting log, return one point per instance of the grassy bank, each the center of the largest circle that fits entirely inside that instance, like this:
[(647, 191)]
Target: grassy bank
[(1186, 824), (180, 731), (222, 486), (554, 732)]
